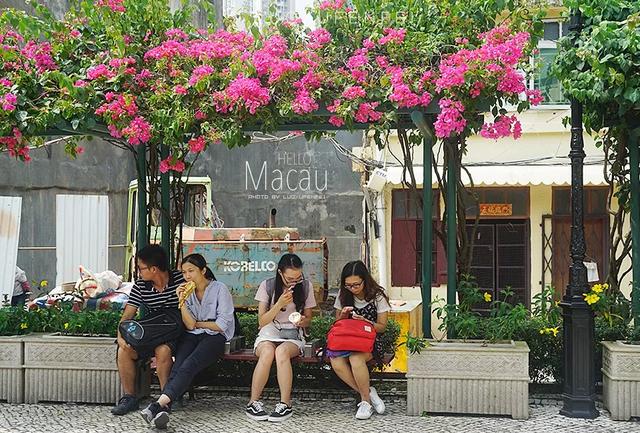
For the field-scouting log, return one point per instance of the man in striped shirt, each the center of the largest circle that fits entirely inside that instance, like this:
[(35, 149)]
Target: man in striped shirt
[(156, 289)]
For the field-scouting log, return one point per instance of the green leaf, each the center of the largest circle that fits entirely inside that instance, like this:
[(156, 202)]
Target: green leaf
[(21, 115)]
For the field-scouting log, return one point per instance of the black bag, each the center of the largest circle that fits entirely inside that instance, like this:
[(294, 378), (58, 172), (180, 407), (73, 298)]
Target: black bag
[(157, 327)]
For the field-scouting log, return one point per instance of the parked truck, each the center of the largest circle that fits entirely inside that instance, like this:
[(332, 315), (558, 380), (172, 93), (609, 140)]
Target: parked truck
[(239, 257)]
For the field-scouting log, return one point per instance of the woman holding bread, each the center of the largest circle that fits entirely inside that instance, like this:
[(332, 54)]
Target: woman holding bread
[(207, 312), (285, 303)]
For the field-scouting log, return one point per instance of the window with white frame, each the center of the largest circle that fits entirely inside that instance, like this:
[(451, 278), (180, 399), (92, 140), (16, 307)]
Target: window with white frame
[(547, 51)]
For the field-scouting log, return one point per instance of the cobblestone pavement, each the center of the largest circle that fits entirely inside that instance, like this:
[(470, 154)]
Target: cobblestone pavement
[(210, 413)]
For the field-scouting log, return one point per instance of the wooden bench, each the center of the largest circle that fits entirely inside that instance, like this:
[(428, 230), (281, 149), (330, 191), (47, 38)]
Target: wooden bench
[(235, 350)]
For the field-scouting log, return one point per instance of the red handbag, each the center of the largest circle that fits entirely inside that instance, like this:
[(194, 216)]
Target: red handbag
[(352, 335)]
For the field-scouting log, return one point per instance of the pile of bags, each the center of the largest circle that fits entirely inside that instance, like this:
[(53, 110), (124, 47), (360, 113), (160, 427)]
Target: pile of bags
[(100, 291)]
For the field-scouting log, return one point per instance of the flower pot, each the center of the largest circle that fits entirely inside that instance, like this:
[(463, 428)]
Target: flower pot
[(470, 377), (621, 379), (70, 369), (11, 373)]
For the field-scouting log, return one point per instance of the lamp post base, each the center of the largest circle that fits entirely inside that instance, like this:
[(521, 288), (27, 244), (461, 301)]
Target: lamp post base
[(579, 407)]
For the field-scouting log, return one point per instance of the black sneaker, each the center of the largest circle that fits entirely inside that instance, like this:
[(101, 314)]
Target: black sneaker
[(161, 420), (255, 411), (127, 403), (156, 415), (281, 412)]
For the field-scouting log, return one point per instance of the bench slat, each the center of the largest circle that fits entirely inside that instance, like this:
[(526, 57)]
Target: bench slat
[(247, 355)]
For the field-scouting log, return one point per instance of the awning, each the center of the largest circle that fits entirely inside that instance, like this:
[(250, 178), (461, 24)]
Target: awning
[(495, 175)]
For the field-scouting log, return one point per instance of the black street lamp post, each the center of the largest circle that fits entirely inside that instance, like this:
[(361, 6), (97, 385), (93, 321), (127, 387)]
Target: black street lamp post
[(578, 321)]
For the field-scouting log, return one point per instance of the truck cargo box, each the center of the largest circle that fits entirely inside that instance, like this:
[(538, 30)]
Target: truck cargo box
[(243, 265)]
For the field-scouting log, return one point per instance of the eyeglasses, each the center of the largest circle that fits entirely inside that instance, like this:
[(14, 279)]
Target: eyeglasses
[(142, 268), (291, 282), (353, 286)]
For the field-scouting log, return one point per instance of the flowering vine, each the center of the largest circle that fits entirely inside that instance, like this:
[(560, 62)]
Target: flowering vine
[(189, 88)]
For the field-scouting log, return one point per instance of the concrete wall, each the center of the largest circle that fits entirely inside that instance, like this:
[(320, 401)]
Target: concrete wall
[(101, 169), (328, 205), (57, 7), (311, 188)]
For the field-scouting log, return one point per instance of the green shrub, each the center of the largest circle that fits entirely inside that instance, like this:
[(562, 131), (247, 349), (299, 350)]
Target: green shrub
[(545, 350), (390, 337), (14, 321), (248, 327), (320, 326), (17, 321)]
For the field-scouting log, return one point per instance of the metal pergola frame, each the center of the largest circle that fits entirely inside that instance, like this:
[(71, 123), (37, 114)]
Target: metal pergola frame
[(578, 318), (422, 120)]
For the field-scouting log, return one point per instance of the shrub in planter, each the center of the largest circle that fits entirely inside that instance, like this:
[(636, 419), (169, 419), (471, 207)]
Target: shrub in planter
[(14, 321), (484, 372)]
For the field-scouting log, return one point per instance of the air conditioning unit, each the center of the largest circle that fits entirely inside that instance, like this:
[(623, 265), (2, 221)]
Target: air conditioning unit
[(377, 180)]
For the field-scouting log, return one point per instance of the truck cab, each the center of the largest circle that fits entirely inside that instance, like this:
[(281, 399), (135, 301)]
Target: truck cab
[(198, 213)]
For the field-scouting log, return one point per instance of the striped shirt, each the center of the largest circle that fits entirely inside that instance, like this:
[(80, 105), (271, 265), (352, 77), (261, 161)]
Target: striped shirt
[(143, 292)]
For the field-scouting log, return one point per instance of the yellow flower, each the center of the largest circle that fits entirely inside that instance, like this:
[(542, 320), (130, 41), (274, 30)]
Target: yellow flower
[(605, 286), (66, 325), (597, 288), (44, 283), (23, 325), (487, 297), (553, 331), (591, 298)]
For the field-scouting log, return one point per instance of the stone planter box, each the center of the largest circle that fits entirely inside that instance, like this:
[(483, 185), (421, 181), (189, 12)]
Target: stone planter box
[(621, 379), (11, 374), (470, 377), (70, 369)]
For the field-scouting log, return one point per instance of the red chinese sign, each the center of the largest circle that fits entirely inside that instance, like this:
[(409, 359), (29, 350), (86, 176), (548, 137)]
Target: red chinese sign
[(496, 209)]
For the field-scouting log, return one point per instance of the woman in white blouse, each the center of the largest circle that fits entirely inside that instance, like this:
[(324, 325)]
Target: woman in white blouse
[(207, 314)]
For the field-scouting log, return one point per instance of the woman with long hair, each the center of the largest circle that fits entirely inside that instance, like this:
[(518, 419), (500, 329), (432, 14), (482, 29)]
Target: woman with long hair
[(207, 310), (361, 298), (285, 305)]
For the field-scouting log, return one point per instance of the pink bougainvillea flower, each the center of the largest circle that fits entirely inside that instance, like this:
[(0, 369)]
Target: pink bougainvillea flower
[(367, 112), (336, 121), (199, 73), (242, 92), (319, 38), (450, 119), (114, 131), (304, 103), (138, 131), (331, 4), (100, 71), (171, 163), (114, 5), (197, 145), (180, 90), (395, 36), (178, 34), (354, 92), (534, 96), (503, 126), (40, 53), (9, 102)]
